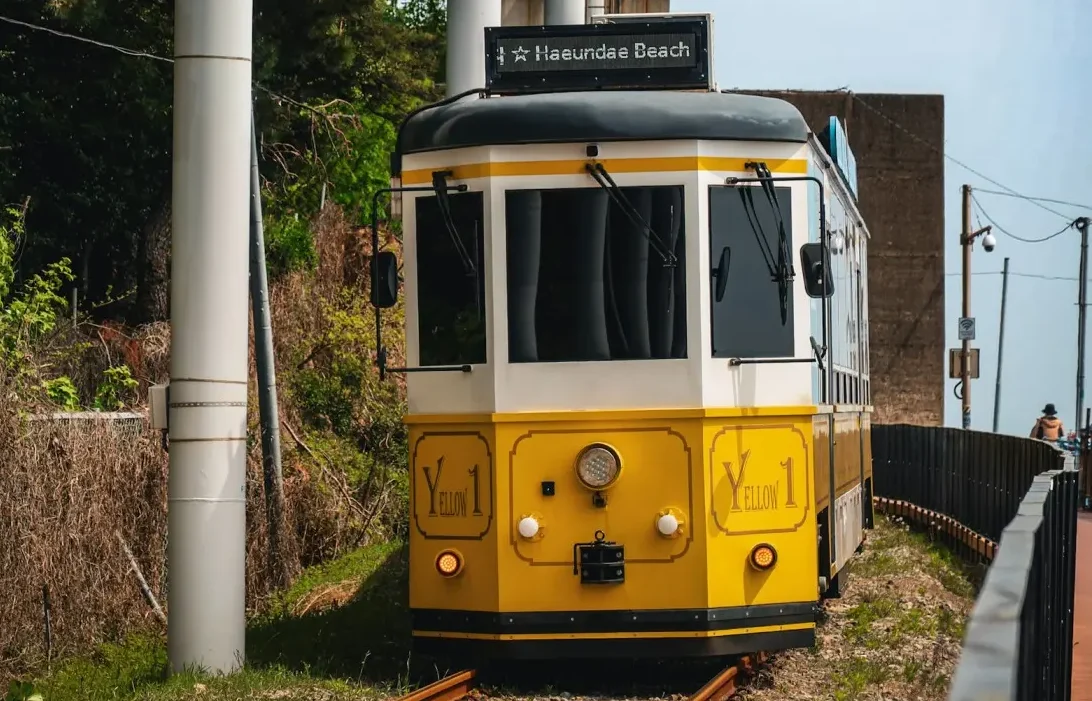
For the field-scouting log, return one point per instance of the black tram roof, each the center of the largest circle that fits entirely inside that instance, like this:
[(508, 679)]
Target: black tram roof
[(603, 116)]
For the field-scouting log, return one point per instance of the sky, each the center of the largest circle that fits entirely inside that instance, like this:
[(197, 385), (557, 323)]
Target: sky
[(1015, 104)]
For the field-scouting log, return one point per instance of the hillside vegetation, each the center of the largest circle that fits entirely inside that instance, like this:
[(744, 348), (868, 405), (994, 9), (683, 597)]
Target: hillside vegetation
[(85, 172)]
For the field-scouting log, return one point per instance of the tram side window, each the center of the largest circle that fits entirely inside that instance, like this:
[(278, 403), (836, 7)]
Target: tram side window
[(585, 282), (451, 281), (747, 321)]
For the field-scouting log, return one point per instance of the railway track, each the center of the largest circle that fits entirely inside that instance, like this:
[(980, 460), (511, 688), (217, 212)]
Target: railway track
[(451, 688), (720, 688), (727, 683)]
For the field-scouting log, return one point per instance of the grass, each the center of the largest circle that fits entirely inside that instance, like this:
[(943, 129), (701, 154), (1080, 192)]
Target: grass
[(889, 618), (894, 634), (341, 632)]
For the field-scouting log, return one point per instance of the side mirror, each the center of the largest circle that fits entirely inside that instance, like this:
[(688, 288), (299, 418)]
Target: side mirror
[(385, 280), (720, 273), (818, 280)]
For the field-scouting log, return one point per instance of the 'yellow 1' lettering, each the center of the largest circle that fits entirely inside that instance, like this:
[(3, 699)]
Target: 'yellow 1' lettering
[(787, 464), (432, 484), (474, 473), (736, 480)]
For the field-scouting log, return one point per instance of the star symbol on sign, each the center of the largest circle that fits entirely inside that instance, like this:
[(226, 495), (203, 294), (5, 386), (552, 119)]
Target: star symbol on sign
[(520, 54)]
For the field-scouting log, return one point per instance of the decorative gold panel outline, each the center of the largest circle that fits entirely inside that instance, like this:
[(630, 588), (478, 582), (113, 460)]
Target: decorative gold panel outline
[(807, 482), (492, 485), (558, 431)]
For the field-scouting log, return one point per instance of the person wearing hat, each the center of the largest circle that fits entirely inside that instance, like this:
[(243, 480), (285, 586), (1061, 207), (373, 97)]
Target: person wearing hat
[(1048, 427)]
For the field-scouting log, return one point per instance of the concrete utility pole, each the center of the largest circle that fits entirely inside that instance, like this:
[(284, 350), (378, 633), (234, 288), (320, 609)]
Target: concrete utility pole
[(1000, 345), (466, 23), (966, 240), (565, 11), (1082, 296), (206, 513)]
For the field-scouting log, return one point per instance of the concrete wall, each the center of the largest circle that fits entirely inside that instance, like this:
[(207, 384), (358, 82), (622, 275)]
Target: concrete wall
[(901, 183)]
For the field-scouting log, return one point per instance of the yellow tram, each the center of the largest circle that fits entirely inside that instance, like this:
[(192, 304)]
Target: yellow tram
[(638, 383)]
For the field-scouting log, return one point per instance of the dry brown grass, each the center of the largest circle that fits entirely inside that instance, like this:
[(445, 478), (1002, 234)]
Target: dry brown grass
[(66, 492), (64, 495)]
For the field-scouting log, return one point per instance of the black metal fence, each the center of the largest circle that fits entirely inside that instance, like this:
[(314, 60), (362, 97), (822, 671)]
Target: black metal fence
[(1019, 641), (976, 478)]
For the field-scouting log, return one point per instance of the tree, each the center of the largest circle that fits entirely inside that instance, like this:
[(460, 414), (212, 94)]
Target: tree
[(86, 131)]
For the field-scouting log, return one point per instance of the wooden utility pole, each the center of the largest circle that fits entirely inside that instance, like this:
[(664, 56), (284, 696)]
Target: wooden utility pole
[(966, 240)]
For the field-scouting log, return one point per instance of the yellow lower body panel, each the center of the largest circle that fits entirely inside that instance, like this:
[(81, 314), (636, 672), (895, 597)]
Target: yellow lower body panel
[(604, 565)]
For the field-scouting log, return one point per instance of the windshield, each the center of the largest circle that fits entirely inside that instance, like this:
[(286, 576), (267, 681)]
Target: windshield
[(586, 280), (747, 321), (451, 321)]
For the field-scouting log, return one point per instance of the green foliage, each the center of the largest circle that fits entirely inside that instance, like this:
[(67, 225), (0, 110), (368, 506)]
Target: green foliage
[(117, 383), (342, 394), (12, 231), (288, 245), (22, 691), (62, 392), (27, 318)]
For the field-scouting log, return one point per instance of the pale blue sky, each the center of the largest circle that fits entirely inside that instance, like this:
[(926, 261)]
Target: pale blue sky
[(1015, 103)]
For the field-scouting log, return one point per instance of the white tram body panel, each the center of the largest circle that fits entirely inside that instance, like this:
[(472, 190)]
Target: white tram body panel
[(698, 380)]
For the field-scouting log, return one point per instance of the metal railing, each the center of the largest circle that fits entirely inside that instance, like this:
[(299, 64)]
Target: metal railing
[(1018, 493), (1019, 641), (976, 478)]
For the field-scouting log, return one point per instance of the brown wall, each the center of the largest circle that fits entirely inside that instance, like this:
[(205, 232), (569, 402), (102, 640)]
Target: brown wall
[(901, 195)]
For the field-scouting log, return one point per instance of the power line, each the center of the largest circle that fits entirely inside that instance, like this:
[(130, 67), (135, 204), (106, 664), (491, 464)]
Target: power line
[(1009, 191), (1035, 199), (1035, 276), (145, 54), (1000, 228), (76, 37)]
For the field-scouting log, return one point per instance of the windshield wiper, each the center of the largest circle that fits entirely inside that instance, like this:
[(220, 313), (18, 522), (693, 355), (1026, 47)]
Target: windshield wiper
[(763, 172), (778, 272), (784, 272), (439, 184), (602, 177)]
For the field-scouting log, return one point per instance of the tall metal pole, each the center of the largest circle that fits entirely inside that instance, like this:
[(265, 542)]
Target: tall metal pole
[(965, 241), (1082, 296), (466, 23), (206, 491), (267, 371), (1000, 344), (565, 11)]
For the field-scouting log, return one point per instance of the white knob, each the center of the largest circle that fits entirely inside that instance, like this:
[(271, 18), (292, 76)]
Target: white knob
[(528, 527), (667, 524)]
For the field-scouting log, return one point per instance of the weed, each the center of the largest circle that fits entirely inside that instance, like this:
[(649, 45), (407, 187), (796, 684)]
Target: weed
[(864, 615), (857, 675)]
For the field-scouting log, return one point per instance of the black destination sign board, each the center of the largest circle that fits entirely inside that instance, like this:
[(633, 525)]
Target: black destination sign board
[(633, 55)]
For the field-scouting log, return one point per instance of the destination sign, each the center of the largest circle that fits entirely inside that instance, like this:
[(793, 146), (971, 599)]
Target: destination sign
[(578, 53), (649, 55)]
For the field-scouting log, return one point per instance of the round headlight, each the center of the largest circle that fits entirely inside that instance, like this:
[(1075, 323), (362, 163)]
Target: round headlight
[(598, 466)]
